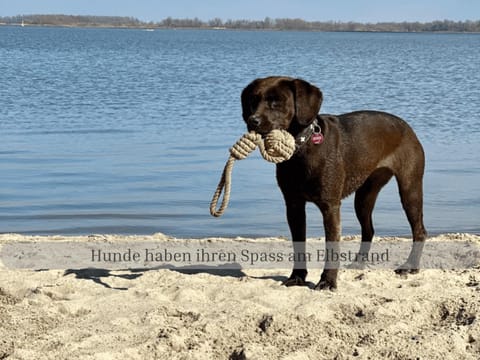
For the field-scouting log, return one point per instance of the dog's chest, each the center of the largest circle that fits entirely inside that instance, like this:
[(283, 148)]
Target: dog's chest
[(304, 177)]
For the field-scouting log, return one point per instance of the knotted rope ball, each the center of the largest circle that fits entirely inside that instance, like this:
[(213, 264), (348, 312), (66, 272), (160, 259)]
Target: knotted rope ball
[(278, 146)]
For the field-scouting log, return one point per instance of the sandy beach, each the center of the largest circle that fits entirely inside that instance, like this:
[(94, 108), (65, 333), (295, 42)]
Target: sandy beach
[(235, 314)]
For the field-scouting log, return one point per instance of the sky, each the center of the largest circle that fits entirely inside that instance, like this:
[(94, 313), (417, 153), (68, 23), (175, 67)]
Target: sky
[(310, 10)]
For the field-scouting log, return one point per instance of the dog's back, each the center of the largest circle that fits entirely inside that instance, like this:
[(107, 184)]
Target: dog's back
[(370, 140)]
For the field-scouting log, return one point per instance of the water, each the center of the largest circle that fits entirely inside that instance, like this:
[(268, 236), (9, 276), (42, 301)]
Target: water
[(127, 131)]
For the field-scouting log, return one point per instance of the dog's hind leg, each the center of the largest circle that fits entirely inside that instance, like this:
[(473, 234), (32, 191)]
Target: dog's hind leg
[(410, 185), (365, 198)]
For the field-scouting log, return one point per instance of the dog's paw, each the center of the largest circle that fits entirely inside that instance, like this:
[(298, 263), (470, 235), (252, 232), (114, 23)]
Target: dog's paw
[(326, 285), (406, 269), (328, 280), (295, 281)]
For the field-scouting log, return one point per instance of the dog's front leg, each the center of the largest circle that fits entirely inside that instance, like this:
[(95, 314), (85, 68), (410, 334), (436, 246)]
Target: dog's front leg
[(297, 222), (332, 225)]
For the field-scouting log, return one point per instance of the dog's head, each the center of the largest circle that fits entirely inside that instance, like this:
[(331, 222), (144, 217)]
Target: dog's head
[(280, 103)]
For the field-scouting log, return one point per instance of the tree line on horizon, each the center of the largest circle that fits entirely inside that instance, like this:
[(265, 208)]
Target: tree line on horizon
[(265, 24)]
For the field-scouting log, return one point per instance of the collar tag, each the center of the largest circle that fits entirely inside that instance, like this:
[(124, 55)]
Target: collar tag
[(317, 136)]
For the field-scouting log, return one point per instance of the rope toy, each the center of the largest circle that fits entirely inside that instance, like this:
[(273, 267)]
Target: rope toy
[(278, 146)]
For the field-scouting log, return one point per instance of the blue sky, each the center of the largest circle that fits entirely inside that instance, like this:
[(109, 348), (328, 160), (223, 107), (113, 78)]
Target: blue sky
[(339, 10)]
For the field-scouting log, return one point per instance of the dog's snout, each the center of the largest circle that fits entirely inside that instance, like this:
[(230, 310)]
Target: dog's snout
[(254, 121)]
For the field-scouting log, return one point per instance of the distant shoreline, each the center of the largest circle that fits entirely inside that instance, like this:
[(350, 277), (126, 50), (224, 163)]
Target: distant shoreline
[(66, 26), (108, 22)]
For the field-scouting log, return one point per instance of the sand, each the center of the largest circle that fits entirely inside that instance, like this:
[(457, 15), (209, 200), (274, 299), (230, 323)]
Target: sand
[(236, 314)]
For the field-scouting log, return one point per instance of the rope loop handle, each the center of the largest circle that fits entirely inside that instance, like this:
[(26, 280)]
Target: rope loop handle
[(278, 146)]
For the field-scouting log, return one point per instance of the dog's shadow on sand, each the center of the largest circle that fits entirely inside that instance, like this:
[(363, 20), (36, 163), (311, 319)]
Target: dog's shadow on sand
[(98, 275)]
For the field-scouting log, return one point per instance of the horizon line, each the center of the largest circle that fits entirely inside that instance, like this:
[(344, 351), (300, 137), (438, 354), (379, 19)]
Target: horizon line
[(266, 18)]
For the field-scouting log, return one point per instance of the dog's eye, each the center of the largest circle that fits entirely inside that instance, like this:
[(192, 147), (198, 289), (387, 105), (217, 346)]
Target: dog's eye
[(273, 101)]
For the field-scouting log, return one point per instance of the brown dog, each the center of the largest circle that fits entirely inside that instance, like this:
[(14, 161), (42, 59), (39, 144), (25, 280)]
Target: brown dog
[(337, 155)]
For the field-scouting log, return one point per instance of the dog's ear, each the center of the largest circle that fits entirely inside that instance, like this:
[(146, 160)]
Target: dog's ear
[(247, 98), (308, 99)]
